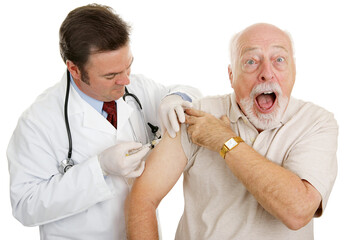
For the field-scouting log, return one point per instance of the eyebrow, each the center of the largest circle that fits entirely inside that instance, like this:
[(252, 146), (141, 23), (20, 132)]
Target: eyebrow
[(248, 49), (116, 73), (281, 47)]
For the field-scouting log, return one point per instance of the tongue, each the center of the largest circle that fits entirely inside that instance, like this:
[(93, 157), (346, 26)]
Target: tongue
[(265, 101)]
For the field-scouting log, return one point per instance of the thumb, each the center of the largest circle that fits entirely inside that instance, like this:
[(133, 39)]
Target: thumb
[(127, 146), (137, 172), (186, 104), (194, 112), (140, 154), (225, 120)]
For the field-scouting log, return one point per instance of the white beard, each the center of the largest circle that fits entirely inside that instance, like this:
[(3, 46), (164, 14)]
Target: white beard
[(260, 120)]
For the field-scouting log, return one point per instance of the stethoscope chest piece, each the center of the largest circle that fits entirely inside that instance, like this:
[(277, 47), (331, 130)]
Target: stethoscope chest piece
[(65, 165)]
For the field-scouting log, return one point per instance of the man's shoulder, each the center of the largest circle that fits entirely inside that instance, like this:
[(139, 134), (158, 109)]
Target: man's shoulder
[(308, 111), (139, 79), (213, 104), (47, 101), (141, 84)]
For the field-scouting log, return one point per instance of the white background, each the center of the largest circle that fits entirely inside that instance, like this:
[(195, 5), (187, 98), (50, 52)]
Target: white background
[(187, 42)]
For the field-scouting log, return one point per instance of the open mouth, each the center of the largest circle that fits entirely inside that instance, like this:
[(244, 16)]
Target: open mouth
[(266, 101)]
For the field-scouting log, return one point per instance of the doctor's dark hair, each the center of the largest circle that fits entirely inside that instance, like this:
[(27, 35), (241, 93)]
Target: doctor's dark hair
[(91, 29)]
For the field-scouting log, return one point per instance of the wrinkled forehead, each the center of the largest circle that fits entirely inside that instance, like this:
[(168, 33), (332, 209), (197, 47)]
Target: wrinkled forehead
[(264, 37)]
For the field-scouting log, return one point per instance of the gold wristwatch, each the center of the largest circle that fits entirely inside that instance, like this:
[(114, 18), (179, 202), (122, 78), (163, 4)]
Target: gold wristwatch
[(230, 144)]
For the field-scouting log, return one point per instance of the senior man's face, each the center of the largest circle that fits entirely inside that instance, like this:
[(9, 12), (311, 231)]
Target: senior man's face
[(264, 75)]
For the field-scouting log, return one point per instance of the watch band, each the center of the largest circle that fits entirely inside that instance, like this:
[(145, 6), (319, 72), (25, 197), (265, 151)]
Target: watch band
[(230, 144)]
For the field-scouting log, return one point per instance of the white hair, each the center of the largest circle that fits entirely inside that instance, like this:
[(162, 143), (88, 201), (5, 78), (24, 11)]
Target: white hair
[(234, 49)]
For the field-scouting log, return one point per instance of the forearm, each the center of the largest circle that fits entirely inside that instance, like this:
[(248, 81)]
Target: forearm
[(282, 193), (141, 222)]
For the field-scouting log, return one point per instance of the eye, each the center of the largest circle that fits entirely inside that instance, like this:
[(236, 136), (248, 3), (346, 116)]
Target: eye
[(280, 59), (250, 62), (110, 76)]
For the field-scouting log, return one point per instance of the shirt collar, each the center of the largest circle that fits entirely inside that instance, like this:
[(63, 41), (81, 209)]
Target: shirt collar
[(96, 104), (235, 111)]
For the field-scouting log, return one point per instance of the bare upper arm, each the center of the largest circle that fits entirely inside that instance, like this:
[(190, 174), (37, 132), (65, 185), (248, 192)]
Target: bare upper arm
[(163, 168)]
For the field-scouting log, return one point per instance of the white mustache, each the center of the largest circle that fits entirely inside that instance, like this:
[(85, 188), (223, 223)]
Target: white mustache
[(266, 87)]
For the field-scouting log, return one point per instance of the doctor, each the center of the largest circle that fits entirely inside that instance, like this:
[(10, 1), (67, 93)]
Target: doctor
[(86, 201)]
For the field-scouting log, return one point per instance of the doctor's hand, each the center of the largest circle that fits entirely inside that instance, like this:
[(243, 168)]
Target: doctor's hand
[(116, 160), (172, 112)]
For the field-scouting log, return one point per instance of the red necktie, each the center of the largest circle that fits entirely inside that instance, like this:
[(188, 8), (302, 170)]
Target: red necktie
[(110, 108)]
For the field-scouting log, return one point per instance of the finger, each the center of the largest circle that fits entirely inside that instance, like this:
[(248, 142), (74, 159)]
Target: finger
[(132, 162), (194, 112), (190, 119), (173, 121), (225, 119), (186, 104), (165, 121), (130, 145), (171, 133), (141, 154), (180, 113), (137, 172), (189, 131)]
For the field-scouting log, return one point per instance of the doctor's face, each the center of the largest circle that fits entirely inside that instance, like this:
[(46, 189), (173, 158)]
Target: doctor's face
[(107, 74)]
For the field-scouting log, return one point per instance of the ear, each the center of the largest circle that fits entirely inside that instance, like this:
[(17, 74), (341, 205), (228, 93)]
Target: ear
[(74, 70), (231, 76)]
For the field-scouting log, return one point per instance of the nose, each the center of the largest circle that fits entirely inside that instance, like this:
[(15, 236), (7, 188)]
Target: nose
[(123, 79), (267, 72)]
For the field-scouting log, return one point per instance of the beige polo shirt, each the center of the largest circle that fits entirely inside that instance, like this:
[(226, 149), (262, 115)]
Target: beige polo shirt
[(218, 206)]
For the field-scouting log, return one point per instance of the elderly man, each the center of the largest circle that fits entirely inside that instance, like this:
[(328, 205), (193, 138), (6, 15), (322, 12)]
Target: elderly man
[(277, 161)]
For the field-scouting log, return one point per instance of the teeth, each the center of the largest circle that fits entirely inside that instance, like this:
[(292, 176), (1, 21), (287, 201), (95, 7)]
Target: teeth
[(267, 92)]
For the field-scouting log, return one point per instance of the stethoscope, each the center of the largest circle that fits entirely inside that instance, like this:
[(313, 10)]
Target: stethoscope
[(128, 97)]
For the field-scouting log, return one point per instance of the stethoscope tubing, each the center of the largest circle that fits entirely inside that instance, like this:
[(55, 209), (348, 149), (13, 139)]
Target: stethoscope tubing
[(66, 115), (125, 96)]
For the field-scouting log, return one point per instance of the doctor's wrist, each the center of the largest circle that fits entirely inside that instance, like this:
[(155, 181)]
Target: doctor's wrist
[(184, 96)]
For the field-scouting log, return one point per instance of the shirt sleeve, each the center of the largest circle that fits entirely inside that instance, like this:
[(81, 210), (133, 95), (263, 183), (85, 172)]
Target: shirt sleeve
[(313, 156), (190, 149)]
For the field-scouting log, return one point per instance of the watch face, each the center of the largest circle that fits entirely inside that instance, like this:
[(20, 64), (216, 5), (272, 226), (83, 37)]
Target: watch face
[(231, 143)]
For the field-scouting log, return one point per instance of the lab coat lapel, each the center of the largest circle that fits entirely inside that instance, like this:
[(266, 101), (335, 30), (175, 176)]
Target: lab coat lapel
[(124, 111), (91, 118)]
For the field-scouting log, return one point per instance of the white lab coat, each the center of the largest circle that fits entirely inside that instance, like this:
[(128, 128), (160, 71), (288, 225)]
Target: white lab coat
[(82, 203)]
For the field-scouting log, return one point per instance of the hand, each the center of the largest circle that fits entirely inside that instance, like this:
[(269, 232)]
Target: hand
[(172, 110), (113, 161), (208, 131)]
